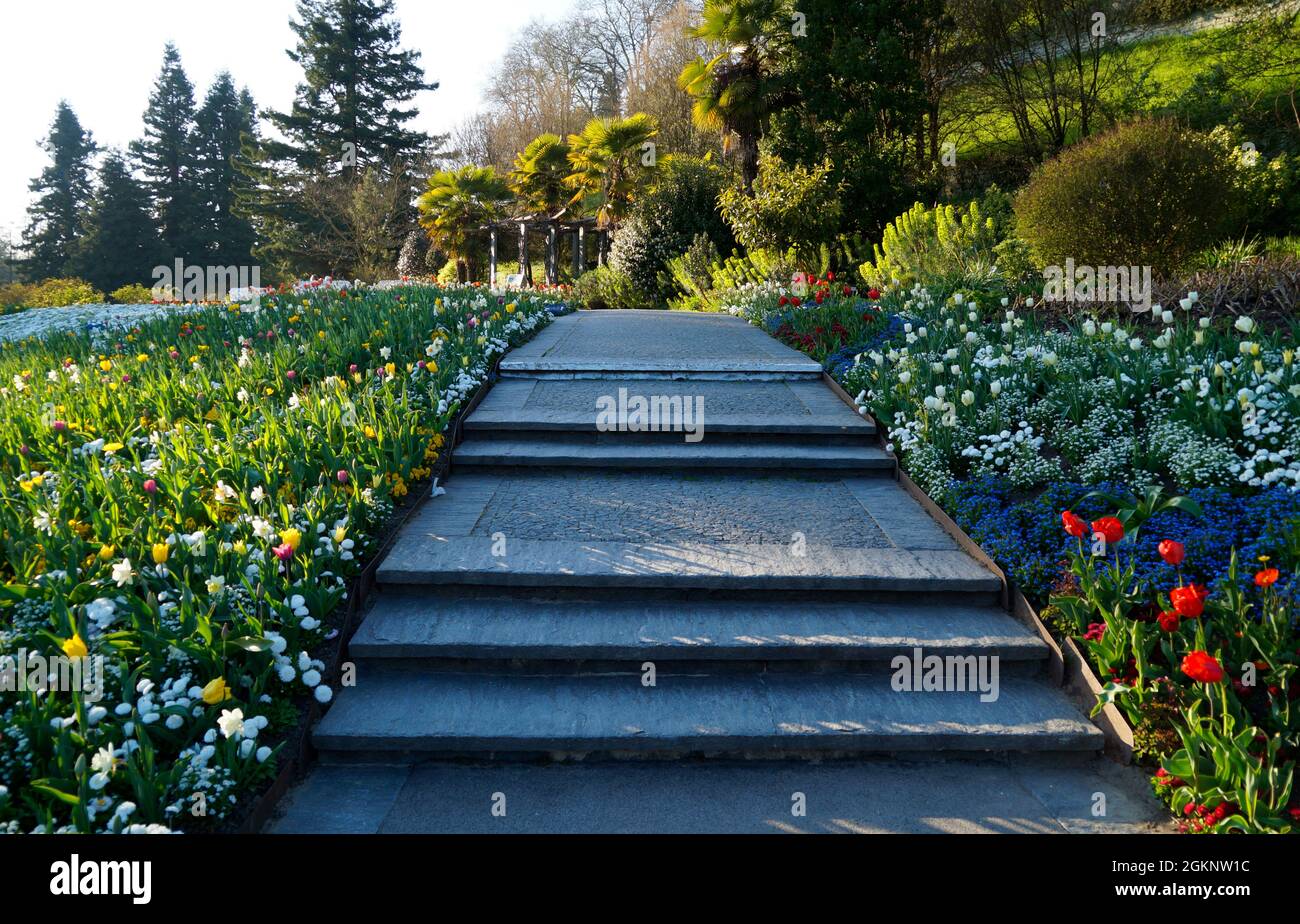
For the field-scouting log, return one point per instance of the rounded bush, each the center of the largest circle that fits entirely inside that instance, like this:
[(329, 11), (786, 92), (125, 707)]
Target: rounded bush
[(1148, 193)]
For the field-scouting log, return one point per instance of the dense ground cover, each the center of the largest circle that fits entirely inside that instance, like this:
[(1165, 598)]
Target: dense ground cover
[(186, 499), (1173, 430)]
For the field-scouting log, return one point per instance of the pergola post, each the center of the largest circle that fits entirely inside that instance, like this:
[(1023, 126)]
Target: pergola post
[(524, 268), (492, 257), (552, 255), (602, 246), (578, 256)]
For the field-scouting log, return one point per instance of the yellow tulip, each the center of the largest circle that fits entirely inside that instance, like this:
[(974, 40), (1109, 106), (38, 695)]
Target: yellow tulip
[(292, 538), (340, 533), (75, 647), (160, 552), (106, 552), (217, 691), (240, 547)]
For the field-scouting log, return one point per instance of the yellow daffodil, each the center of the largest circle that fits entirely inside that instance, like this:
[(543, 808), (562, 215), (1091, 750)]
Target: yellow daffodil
[(217, 691), (75, 647), (105, 365), (240, 547)]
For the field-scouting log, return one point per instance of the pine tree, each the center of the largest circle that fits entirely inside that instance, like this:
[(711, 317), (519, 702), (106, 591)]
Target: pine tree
[(350, 111), (225, 119), (166, 158), (349, 119), (120, 242), (63, 190)]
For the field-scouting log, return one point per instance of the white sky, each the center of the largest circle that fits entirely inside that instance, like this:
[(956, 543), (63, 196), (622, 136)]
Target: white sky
[(102, 57)]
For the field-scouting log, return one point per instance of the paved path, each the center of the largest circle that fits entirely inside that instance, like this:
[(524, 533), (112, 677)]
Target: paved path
[(597, 592)]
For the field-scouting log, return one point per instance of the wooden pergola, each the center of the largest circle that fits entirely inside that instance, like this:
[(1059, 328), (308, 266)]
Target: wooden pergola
[(552, 226)]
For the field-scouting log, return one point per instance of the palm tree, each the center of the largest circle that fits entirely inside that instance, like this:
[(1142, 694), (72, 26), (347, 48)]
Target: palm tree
[(538, 177), (456, 204), (736, 90), (610, 160)]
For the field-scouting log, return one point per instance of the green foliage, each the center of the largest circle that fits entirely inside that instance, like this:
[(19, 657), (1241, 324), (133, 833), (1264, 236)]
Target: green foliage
[(947, 240), (133, 294), (679, 206), (1146, 193), (792, 209), (455, 204), (606, 287), (538, 177), (692, 272), (611, 163)]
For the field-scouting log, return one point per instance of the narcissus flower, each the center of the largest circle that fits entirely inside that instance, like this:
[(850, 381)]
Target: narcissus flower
[(1172, 552), (1109, 528), (1202, 667), (1073, 525), (75, 647), (1189, 601), (217, 691)]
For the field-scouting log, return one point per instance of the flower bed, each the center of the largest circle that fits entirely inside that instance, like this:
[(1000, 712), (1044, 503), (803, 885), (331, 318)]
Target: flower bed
[(1006, 421), (183, 504)]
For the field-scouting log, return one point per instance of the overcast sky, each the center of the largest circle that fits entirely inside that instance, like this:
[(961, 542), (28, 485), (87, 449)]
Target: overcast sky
[(102, 57)]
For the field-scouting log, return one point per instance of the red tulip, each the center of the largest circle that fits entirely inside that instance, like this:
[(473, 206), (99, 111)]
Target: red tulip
[(1189, 601), (1203, 668), (1266, 578), (342, 476), (1110, 528), (150, 486), (283, 552), (873, 294), (1168, 621), (783, 301), (796, 301), (1172, 552), (1073, 525)]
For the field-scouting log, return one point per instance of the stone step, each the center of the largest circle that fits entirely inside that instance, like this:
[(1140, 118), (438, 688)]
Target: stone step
[(637, 345), (526, 628), (660, 530), (677, 456), (797, 411), (398, 715)]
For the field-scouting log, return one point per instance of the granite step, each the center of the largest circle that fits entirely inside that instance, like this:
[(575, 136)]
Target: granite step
[(395, 716), (639, 345), (504, 628), (662, 530), (794, 411), (706, 454)]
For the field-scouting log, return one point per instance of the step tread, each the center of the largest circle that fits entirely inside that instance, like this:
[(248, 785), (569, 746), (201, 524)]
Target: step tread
[(575, 452), (408, 626), (408, 711), (616, 342), (792, 408), (650, 529)]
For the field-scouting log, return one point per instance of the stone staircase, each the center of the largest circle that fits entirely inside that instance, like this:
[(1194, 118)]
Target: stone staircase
[(582, 592)]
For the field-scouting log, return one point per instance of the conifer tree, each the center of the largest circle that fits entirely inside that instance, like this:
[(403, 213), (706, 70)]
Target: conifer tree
[(62, 192), (166, 158), (119, 244), (226, 118)]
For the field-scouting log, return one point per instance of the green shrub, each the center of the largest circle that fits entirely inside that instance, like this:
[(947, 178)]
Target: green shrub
[(692, 272), (449, 274), (606, 287), (50, 293), (942, 242), (1150, 192), (132, 294), (791, 210)]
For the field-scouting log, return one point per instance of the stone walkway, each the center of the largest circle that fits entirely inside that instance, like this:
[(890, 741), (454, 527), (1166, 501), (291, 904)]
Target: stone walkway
[(725, 609)]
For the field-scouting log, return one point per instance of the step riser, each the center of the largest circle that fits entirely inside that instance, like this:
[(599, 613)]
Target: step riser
[(667, 663), (657, 375), (719, 435), (704, 466), (576, 590)]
